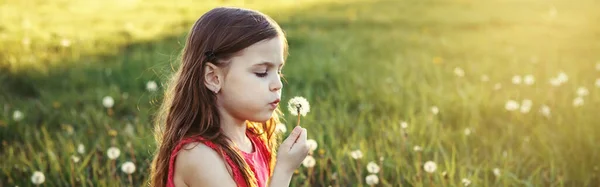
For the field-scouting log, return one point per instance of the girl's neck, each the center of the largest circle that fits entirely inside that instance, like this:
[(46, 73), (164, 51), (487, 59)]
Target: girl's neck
[(235, 130)]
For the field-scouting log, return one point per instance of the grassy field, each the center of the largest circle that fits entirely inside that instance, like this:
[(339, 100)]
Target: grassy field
[(495, 93)]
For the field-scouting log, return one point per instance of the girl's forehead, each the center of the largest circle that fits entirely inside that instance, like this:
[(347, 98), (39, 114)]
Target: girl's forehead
[(267, 52)]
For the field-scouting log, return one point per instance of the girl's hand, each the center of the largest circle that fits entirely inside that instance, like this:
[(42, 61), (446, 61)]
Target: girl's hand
[(292, 150)]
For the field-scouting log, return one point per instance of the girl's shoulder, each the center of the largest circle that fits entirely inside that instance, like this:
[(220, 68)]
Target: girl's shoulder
[(199, 164)]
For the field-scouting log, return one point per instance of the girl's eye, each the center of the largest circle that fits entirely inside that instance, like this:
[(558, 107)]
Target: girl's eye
[(261, 74)]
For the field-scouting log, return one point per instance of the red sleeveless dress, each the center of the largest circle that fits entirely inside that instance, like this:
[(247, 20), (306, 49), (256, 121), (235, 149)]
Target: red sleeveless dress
[(258, 160)]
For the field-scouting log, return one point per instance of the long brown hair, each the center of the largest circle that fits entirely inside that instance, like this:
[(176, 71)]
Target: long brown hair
[(189, 107)]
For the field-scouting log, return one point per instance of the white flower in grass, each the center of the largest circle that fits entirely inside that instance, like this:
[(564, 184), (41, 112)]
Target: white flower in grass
[(372, 180), (555, 82), (582, 91), (128, 167), (404, 125), (529, 79), (511, 105), (372, 167), (151, 86), (75, 158), (357, 154), (113, 153), (466, 182), (81, 149), (280, 127), (545, 110), (459, 72), (309, 161), (526, 106), (598, 83), (417, 148), (496, 172), (298, 104), (18, 115), (467, 131), (577, 102), (430, 166), (108, 102), (485, 78), (65, 42), (497, 86), (38, 178), (312, 145), (435, 110), (517, 79), (562, 77)]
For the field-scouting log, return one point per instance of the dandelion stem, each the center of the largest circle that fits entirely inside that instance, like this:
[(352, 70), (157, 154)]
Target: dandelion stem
[(298, 110), (72, 173), (430, 181), (419, 168), (130, 180)]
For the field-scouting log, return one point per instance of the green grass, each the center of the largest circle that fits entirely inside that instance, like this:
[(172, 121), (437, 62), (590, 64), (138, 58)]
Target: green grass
[(365, 66)]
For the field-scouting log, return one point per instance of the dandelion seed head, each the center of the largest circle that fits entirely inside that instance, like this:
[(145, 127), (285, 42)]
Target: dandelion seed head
[(75, 158), (466, 182), (511, 105), (435, 110), (81, 149), (577, 102), (417, 148), (372, 179), (517, 79), (459, 72), (529, 80), (563, 77), (404, 125), (18, 115), (372, 167), (312, 145), (113, 153), (108, 102), (151, 86), (309, 161), (430, 166), (128, 167), (545, 110), (298, 103), (467, 131), (356, 154), (496, 172), (582, 91), (38, 178)]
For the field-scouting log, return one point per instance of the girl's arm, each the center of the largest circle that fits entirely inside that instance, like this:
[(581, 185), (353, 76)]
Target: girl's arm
[(202, 166), (290, 155)]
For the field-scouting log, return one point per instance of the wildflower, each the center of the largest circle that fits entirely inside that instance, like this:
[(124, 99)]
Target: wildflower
[(113, 153), (280, 127), (298, 106), (459, 72), (526, 106), (577, 102), (466, 182), (404, 125), (128, 167), (467, 131), (65, 42), (511, 105), (417, 148), (496, 172), (545, 110), (75, 158), (108, 102), (357, 154), (38, 178), (582, 91), (435, 110), (516, 79), (372, 180), (555, 82), (529, 80), (151, 86), (18, 115), (430, 166), (312, 144), (309, 161), (372, 167), (81, 149), (562, 77)]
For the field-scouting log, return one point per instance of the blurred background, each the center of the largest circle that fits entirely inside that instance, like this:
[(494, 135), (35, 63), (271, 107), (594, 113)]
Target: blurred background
[(402, 92)]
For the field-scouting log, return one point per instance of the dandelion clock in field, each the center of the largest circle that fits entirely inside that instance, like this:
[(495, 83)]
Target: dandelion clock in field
[(372, 167), (372, 180), (312, 145), (128, 167), (309, 162), (108, 102), (18, 115), (113, 153), (357, 154), (298, 106), (38, 178), (151, 86), (430, 166), (466, 182)]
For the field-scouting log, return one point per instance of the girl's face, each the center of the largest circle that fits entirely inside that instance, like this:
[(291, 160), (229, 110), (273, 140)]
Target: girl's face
[(251, 84)]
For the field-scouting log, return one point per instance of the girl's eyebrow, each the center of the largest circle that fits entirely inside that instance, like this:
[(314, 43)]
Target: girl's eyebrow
[(268, 64)]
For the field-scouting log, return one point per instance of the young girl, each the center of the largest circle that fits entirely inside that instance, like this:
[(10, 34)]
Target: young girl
[(217, 122)]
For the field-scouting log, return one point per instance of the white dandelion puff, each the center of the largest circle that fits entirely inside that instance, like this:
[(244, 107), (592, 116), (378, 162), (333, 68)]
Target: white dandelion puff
[(435, 110), (466, 182), (18, 115), (562, 77), (312, 145), (65, 42), (467, 131), (280, 127), (128, 167), (38, 178), (75, 158), (372, 180), (309, 161), (526, 106), (511, 105), (582, 91), (545, 110), (517, 79), (529, 80), (372, 167), (151, 86), (459, 72), (108, 102), (81, 149), (113, 153), (430, 166), (356, 154), (298, 106), (404, 125), (417, 148), (496, 172), (555, 82), (577, 102), (485, 78)]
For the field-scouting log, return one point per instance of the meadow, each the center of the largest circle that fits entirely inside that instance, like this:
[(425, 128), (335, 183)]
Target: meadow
[(402, 92)]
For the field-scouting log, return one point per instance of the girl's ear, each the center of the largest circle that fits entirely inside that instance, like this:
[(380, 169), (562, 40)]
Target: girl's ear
[(213, 78)]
